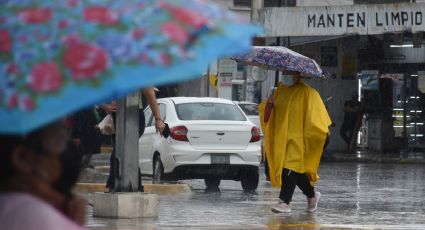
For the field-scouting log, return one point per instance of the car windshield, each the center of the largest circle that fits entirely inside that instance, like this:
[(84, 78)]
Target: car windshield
[(209, 111), (249, 109)]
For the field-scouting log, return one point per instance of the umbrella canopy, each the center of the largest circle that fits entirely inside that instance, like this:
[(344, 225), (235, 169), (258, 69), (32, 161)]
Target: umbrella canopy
[(59, 56), (281, 58)]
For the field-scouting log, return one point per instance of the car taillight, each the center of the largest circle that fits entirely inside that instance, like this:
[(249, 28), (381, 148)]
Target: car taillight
[(179, 133), (255, 134)]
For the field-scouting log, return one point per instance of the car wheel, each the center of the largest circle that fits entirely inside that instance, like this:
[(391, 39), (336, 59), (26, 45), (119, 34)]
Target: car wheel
[(212, 183), (249, 180), (158, 170)]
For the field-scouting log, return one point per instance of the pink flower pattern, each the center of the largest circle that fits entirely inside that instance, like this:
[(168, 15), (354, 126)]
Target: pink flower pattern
[(5, 41), (12, 101), (36, 15), (188, 17), (85, 61), (175, 32), (101, 15), (45, 77)]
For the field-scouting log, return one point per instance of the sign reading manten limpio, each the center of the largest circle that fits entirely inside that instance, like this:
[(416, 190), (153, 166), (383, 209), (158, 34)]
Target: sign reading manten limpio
[(341, 20)]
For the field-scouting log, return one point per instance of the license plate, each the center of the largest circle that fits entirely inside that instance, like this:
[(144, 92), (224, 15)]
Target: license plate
[(220, 159)]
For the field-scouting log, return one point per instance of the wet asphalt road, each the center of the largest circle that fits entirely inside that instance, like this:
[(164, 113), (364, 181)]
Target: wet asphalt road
[(354, 196)]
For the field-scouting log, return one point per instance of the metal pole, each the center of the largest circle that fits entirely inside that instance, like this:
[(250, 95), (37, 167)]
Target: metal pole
[(207, 90), (278, 43), (127, 178), (245, 82), (256, 6), (405, 140), (276, 73)]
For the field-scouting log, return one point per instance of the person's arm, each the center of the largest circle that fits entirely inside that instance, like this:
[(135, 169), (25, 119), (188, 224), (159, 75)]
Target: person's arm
[(151, 99)]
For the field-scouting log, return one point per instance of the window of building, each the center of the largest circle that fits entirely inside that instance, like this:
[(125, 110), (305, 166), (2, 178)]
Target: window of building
[(242, 3), (277, 3), (381, 1)]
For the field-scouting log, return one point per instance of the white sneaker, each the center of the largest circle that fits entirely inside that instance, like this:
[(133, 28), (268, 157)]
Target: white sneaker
[(281, 207), (312, 202)]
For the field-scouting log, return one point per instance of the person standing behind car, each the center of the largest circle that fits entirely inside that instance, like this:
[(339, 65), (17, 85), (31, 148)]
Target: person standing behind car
[(86, 132), (111, 109)]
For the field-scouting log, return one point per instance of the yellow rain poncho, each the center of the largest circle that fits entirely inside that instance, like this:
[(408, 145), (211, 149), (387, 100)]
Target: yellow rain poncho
[(296, 132)]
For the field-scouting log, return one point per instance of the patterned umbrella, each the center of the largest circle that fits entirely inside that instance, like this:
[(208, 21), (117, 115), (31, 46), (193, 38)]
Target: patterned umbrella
[(59, 56), (281, 58)]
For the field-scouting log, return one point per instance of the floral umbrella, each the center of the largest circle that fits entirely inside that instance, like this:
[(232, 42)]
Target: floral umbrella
[(59, 56), (281, 58)]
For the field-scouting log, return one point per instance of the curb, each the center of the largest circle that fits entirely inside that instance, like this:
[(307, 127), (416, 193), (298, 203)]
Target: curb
[(160, 189), (167, 189), (102, 169), (106, 149), (90, 187)]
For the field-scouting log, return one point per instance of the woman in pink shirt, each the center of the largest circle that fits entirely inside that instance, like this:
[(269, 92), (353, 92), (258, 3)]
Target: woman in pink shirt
[(29, 167)]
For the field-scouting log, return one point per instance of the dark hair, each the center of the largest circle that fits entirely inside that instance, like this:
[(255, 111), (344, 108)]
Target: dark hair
[(9, 143), (71, 168)]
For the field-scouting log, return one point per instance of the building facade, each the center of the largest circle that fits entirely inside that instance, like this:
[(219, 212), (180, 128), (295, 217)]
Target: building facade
[(380, 41)]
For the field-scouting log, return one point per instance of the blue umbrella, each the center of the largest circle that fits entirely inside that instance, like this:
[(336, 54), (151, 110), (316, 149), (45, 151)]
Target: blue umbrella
[(281, 58), (57, 57)]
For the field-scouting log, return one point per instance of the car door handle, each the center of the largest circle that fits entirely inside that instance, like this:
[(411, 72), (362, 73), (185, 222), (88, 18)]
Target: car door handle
[(220, 133)]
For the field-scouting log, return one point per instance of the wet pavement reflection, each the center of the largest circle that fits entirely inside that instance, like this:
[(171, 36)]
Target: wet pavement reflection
[(354, 196)]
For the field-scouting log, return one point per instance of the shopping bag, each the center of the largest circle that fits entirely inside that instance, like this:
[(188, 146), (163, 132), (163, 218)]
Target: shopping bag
[(106, 126)]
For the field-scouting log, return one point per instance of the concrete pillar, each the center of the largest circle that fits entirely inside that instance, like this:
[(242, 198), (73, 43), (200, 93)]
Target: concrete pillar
[(125, 205), (125, 201)]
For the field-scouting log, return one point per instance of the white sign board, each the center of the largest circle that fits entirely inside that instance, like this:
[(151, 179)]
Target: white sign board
[(225, 87), (342, 20), (227, 69), (225, 82), (227, 66)]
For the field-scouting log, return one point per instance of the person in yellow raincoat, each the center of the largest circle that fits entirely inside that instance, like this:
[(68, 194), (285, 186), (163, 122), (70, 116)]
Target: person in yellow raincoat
[(294, 138)]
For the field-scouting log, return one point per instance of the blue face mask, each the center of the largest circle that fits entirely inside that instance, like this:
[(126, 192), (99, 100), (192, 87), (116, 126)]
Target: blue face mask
[(289, 81)]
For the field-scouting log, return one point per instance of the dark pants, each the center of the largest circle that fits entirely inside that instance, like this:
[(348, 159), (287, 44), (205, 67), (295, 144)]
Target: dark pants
[(266, 168), (290, 179), (346, 134), (110, 184)]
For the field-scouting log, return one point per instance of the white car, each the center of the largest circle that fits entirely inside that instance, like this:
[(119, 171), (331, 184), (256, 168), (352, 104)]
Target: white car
[(251, 111), (210, 139)]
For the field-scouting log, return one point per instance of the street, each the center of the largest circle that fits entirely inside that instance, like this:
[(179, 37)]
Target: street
[(354, 196)]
